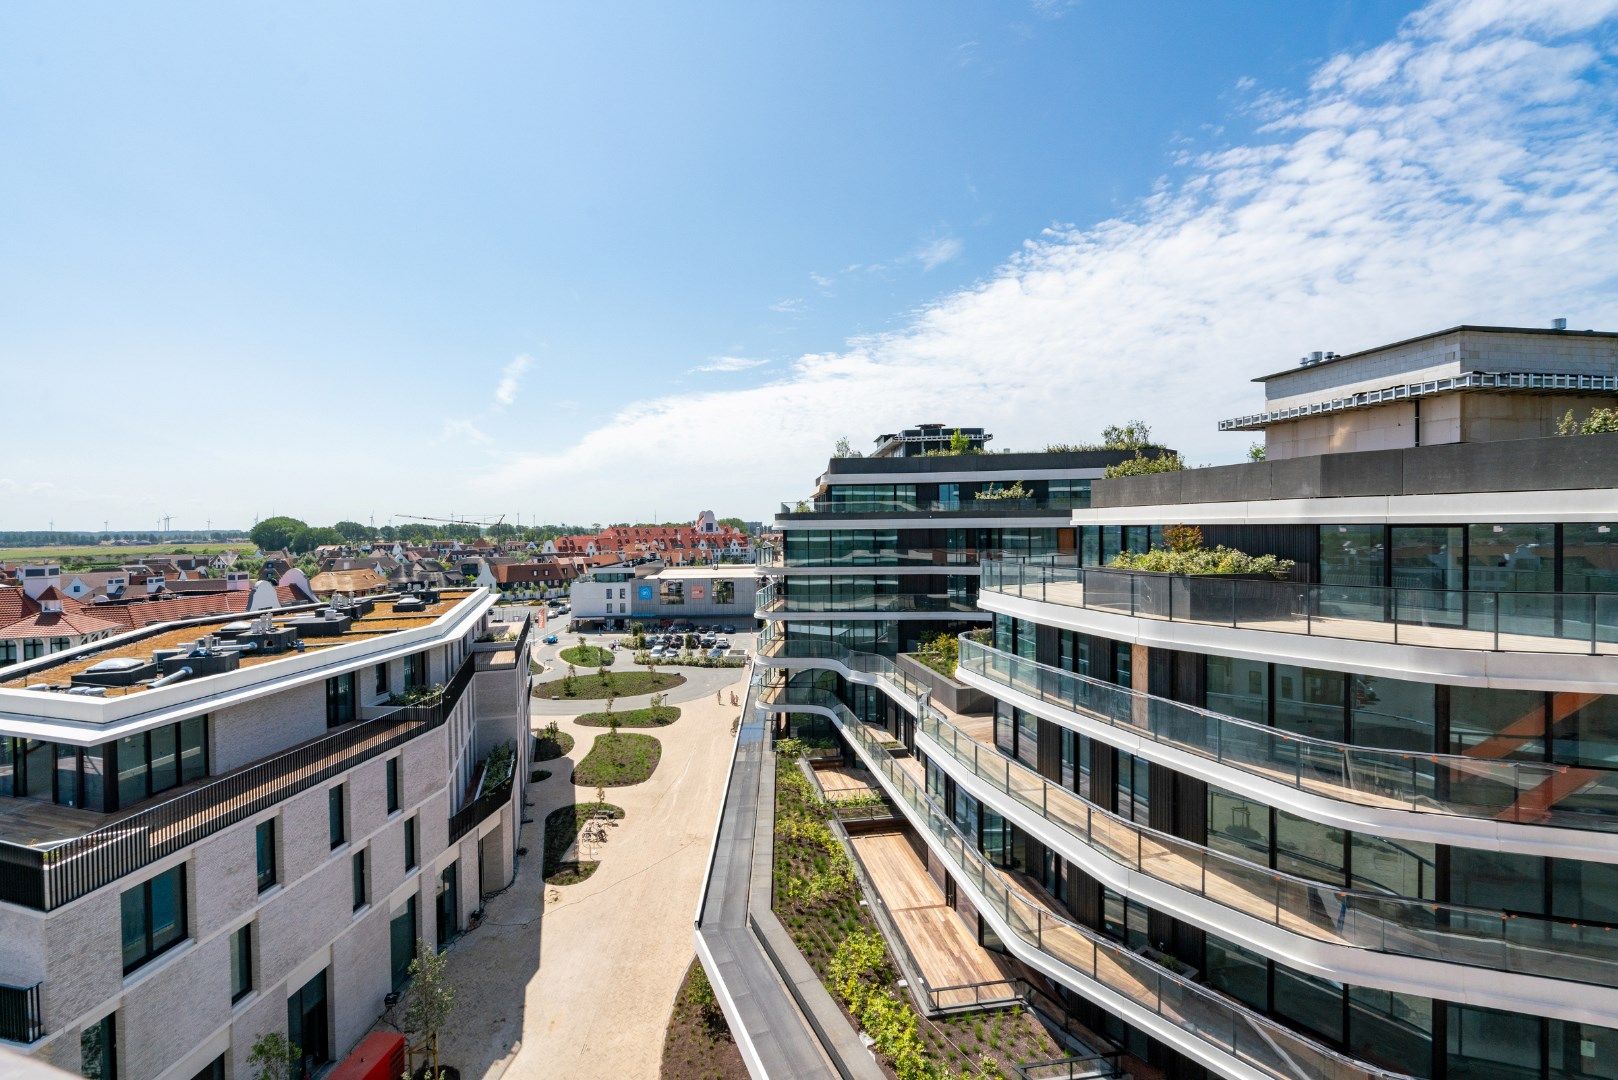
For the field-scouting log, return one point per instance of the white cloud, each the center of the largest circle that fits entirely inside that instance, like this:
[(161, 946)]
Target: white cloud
[(463, 431), (790, 306), (729, 363), (505, 391), (936, 253), (1464, 171)]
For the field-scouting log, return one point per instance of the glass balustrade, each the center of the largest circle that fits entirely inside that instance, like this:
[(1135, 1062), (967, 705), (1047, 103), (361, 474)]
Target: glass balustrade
[(1552, 622), (1254, 1039), (1355, 918), (1526, 792)]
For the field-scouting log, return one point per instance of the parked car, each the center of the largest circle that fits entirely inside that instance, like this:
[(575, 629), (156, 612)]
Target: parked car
[(549, 639), (716, 652), (723, 643), (708, 641), (658, 653), (727, 629)]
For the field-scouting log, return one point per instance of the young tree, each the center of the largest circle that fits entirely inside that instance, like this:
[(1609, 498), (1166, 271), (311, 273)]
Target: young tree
[(1131, 436), (273, 1057), (1255, 452), (429, 1001)]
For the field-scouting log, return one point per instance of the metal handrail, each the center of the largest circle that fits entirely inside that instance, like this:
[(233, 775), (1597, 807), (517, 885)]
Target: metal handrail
[(1573, 623), (1356, 918), (47, 878), (1231, 1027), (1459, 785)]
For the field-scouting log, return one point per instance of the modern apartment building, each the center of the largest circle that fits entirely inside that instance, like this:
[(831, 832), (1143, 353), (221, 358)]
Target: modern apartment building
[(884, 554), (1357, 820), (216, 829)]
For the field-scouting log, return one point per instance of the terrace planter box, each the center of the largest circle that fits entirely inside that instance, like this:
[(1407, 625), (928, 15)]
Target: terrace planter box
[(1215, 598), (956, 696)]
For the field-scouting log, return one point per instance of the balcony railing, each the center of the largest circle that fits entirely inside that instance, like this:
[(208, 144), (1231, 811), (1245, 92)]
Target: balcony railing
[(1550, 948), (769, 599), (22, 1019), (1541, 622), (473, 813), (1525, 792), (964, 505), (1356, 918), (944, 558), (48, 878), (1221, 1022)]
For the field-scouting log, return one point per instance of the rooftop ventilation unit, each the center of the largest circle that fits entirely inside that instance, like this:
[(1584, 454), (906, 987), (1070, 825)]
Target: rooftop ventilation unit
[(1558, 324), (115, 671), (327, 622)]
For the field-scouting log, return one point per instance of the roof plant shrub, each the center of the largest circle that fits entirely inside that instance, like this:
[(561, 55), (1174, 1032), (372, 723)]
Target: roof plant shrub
[(1202, 561), (1599, 422), (1141, 465)]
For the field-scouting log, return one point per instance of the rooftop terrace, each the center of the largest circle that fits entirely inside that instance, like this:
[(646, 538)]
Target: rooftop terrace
[(366, 625)]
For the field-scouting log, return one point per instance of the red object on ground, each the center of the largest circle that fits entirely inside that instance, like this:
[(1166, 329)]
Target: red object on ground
[(379, 1056)]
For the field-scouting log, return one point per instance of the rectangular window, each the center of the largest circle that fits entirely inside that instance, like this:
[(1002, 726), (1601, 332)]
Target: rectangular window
[(393, 785), (266, 854), (672, 593), (402, 942), (361, 889), (381, 679), (153, 915), (410, 844), (340, 700), (241, 963), (336, 817), (98, 1050), (413, 674), (724, 591), (8, 653)]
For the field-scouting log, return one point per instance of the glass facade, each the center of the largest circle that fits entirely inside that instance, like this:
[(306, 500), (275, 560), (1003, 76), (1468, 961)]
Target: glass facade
[(142, 765)]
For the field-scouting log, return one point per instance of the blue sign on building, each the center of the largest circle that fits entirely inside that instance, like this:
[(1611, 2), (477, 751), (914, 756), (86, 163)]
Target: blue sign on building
[(643, 592)]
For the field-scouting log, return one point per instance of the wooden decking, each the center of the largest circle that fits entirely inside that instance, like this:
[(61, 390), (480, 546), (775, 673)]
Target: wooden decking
[(943, 948), (841, 781)]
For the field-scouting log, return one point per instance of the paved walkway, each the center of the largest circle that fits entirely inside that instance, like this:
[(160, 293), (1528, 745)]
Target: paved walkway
[(580, 980)]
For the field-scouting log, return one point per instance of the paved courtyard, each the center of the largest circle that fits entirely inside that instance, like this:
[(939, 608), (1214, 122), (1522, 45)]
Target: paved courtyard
[(579, 980)]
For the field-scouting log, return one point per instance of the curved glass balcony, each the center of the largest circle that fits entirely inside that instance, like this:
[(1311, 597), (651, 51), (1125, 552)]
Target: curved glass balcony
[(1029, 926), (1577, 623), (1355, 918), (770, 600), (1525, 792)]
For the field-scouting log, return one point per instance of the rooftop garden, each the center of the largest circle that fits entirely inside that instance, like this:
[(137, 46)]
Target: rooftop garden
[(942, 653), (818, 901)]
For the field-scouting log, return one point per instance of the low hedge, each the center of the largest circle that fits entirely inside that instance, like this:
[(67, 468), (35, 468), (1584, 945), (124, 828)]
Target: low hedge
[(651, 716), (618, 761)]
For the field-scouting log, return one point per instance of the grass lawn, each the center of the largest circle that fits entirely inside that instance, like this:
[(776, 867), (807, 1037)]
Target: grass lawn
[(698, 1044), (618, 760), (587, 656), (561, 827), (621, 684), (552, 746), (651, 716)]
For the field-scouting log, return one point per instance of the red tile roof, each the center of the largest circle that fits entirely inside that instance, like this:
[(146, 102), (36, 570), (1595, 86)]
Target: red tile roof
[(21, 617)]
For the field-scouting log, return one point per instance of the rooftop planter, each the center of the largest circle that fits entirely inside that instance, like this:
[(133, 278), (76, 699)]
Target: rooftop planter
[(952, 695)]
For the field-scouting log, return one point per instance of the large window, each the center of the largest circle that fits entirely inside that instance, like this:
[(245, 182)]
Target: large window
[(336, 816), (362, 892), (1590, 557), (410, 852), (402, 942), (153, 915), (671, 593), (98, 1049), (265, 843), (724, 591), (340, 700), (393, 785), (241, 963), (1353, 556), (156, 760)]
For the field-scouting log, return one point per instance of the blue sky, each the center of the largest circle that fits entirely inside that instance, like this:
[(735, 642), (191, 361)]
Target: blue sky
[(623, 261)]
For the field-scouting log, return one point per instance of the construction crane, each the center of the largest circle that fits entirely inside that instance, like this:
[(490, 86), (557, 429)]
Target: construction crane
[(455, 521)]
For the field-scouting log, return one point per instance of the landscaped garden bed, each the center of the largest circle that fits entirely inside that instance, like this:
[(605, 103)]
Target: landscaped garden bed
[(587, 656), (651, 716), (698, 1044), (615, 684), (551, 742), (818, 901), (561, 829), (618, 760)]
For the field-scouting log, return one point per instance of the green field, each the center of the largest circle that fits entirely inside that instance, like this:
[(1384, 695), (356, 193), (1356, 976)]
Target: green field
[(114, 554)]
